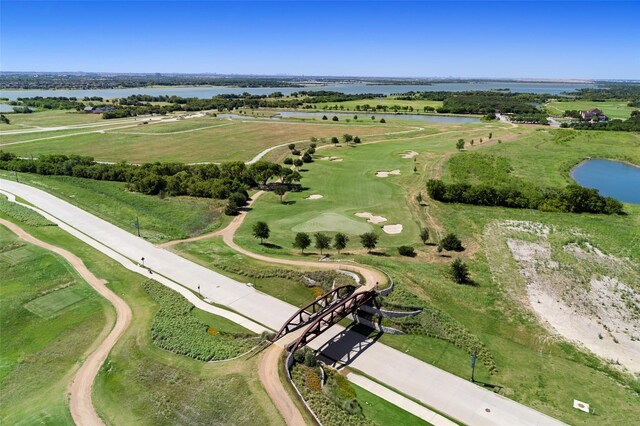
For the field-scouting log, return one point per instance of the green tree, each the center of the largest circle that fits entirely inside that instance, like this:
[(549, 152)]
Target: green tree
[(451, 242), (335, 118), (340, 241), (324, 117), (356, 139), (302, 241), (347, 137), (459, 272), (382, 120), (298, 162), (335, 140), (292, 146), (460, 144), (261, 231), (424, 235), (369, 240), (306, 158), (406, 251), (490, 135), (4, 119), (280, 190), (323, 241)]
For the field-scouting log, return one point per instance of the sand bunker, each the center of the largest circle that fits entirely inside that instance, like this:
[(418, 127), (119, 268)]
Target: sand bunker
[(392, 229), (371, 218), (384, 174), (410, 154), (337, 159), (314, 197)]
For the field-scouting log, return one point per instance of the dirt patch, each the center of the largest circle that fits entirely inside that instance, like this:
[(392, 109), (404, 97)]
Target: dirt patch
[(575, 289), (384, 174), (371, 218), (314, 197), (392, 229), (410, 154)]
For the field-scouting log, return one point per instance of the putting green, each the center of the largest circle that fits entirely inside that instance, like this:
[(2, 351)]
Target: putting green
[(333, 222), (50, 305)]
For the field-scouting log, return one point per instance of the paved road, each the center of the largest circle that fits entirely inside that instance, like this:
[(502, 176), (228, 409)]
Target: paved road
[(445, 392)]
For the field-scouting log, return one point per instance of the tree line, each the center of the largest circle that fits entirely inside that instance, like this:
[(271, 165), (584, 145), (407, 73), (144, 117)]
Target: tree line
[(632, 124), (219, 181), (571, 199)]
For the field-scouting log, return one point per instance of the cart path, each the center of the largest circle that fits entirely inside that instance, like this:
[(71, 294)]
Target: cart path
[(80, 389), (268, 368)]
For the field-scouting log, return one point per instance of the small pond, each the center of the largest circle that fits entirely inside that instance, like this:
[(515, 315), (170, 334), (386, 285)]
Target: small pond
[(612, 178)]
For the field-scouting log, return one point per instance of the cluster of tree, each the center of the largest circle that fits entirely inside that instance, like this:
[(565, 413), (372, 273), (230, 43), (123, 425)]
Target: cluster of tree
[(605, 92), (537, 118), (97, 81), (488, 102), (49, 103), (198, 180), (572, 199), (632, 124), (322, 96)]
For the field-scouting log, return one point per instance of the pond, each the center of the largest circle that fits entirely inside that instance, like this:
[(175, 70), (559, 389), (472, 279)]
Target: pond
[(430, 118), (612, 178)]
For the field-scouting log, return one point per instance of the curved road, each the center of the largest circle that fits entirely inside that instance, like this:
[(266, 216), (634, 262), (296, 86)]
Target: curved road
[(443, 391), (80, 403)]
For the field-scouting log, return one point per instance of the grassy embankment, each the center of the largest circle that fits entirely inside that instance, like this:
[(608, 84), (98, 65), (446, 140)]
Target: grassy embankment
[(160, 219)]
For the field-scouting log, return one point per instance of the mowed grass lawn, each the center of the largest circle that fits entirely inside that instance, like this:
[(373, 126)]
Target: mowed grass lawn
[(192, 140), (348, 187), (50, 318), (613, 109), (48, 118)]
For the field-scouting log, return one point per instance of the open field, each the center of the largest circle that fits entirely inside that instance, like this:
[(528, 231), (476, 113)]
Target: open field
[(140, 383), (613, 109), (50, 318), (160, 219), (193, 140), (49, 119)]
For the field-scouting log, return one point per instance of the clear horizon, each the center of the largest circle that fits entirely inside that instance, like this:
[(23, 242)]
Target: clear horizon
[(455, 40)]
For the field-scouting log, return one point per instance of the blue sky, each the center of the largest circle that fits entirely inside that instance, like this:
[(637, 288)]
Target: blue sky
[(581, 39)]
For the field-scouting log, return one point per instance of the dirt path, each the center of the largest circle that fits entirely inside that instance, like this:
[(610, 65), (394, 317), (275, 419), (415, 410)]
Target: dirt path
[(268, 373), (80, 403)]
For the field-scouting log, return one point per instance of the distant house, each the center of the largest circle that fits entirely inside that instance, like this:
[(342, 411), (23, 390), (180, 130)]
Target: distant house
[(593, 115), (98, 109)]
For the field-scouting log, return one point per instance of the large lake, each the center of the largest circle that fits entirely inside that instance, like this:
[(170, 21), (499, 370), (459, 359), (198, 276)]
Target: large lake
[(208, 92), (612, 178)]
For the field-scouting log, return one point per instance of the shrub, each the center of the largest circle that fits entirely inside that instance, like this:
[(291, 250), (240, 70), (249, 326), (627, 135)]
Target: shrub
[(459, 272), (174, 328), (451, 242), (407, 251), (231, 209), (288, 161)]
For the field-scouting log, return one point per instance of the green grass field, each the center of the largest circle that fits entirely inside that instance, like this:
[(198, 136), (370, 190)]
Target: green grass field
[(50, 318), (50, 118), (613, 109), (160, 219), (140, 383), (418, 105), (192, 140)]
